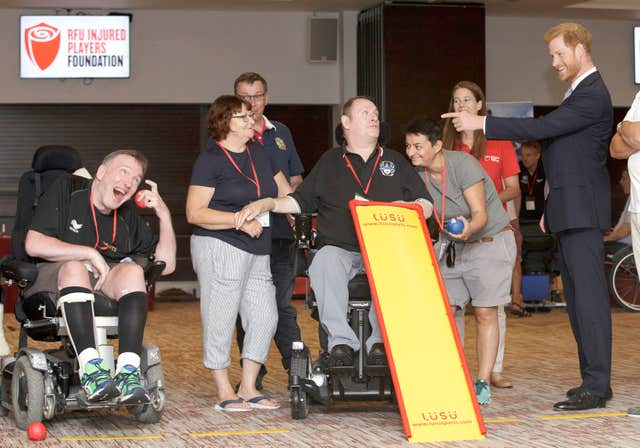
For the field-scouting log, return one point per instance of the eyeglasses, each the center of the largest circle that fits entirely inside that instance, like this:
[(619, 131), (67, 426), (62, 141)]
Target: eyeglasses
[(256, 97), (245, 117)]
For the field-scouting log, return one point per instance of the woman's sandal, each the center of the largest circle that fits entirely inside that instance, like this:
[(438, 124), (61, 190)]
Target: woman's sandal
[(519, 310)]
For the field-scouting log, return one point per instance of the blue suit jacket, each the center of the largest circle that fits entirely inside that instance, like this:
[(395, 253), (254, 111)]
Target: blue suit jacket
[(575, 147)]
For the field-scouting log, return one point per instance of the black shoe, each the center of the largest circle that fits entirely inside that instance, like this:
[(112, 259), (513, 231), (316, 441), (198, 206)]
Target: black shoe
[(341, 356), (377, 355), (580, 401), (575, 390)]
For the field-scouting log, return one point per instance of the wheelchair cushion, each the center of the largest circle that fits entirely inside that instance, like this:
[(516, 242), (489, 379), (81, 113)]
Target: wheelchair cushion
[(56, 157)]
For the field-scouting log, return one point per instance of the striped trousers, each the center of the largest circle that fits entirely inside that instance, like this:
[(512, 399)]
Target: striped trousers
[(233, 282)]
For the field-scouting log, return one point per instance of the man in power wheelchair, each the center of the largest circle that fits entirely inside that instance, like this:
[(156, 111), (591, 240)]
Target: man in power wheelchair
[(89, 240), (360, 168)]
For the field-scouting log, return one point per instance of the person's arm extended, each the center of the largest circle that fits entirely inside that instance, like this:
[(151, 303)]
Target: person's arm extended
[(511, 189), (475, 198), (619, 232), (39, 245)]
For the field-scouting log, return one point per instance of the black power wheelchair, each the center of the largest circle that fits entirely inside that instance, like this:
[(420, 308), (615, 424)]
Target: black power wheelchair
[(37, 385), (318, 381)]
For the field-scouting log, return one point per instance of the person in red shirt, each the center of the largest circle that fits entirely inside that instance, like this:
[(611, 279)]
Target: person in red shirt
[(499, 160)]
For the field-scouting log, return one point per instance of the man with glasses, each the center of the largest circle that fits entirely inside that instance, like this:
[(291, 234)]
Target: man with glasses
[(275, 138)]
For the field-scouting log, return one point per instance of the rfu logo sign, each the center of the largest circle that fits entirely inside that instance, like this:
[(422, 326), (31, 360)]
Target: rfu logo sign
[(42, 43)]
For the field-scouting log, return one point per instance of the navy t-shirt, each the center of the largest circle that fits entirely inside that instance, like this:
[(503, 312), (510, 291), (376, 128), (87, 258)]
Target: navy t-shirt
[(233, 191)]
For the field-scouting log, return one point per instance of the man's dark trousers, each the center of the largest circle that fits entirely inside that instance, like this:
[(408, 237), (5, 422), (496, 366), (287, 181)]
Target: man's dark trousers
[(583, 280)]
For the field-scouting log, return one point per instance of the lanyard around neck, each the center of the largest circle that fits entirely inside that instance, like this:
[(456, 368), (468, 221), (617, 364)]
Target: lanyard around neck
[(95, 225), (531, 181), (440, 220), (255, 181), (373, 171)]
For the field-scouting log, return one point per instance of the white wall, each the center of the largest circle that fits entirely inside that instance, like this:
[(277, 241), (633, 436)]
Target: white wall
[(188, 57), (519, 68)]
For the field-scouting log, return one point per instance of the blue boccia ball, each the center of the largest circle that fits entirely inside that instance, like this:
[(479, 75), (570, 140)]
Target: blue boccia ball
[(455, 226)]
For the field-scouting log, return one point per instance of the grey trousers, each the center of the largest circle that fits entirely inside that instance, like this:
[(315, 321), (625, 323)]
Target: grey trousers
[(329, 273), (233, 282)]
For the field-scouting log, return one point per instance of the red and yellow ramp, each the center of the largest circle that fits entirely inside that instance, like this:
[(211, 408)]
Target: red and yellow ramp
[(430, 374)]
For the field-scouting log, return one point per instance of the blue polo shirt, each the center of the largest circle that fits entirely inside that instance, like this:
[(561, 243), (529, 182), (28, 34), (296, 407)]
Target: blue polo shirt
[(277, 141)]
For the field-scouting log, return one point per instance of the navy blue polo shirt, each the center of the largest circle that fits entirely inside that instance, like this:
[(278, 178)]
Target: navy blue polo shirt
[(278, 143), (233, 191)]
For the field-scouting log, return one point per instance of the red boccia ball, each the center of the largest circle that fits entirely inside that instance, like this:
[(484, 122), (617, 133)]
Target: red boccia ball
[(37, 431), (139, 199)]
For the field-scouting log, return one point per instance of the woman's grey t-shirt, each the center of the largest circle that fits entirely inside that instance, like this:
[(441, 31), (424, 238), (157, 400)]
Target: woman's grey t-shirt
[(464, 171)]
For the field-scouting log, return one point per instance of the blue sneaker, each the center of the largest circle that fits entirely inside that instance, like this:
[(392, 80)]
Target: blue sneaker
[(128, 382), (483, 392), (96, 381)]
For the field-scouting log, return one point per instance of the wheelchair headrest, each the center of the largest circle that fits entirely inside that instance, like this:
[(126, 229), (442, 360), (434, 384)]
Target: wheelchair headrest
[(383, 138), (56, 157)]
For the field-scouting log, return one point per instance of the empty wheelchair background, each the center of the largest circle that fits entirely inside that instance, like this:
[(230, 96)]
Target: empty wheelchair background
[(623, 279), (38, 384)]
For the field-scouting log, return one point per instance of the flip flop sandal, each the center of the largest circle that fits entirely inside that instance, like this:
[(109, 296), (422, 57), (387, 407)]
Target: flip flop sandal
[(519, 310), (224, 406), (255, 403)]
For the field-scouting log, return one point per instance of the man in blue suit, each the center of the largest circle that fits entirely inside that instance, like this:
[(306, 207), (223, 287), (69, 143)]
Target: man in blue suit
[(577, 209)]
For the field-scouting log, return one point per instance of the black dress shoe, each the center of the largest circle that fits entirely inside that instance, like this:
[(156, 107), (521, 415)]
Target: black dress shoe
[(377, 355), (341, 356), (575, 390), (579, 401)]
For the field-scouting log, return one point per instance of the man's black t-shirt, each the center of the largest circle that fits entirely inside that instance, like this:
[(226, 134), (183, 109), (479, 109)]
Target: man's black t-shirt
[(331, 185), (64, 213)]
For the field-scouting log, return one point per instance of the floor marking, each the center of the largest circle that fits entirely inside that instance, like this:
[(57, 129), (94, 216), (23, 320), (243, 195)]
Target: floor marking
[(154, 436), (237, 433), (502, 420), (568, 416)]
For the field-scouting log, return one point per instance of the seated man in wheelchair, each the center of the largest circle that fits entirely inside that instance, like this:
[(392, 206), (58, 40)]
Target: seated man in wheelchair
[(89, 234), (358, 169)]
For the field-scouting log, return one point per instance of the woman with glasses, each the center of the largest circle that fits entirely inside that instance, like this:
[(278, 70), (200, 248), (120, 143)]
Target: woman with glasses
[(499, 160), (475, 260), (232, 264)]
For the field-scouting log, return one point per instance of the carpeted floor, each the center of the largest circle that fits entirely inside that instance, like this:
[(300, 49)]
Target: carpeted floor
[(540, 359)]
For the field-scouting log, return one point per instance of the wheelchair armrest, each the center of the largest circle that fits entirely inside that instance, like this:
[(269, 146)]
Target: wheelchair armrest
[(21, 272), (153, 271)]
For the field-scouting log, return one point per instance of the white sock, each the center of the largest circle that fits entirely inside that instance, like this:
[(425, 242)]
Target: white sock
[(127, 358), (88, 354)]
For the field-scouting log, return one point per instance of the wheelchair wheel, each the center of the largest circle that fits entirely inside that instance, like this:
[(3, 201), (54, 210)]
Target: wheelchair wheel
[(299, 404), (151, 413), (623, 280), (27, 393)]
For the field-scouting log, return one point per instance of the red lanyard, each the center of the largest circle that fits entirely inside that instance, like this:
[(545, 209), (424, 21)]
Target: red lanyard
[(373, 171), (531, 182), (255, 180), (440, 220), (95, 224)]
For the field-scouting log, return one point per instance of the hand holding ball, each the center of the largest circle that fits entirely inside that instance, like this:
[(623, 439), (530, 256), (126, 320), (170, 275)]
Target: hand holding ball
[(455, 226), (139, 199), (36, 431)]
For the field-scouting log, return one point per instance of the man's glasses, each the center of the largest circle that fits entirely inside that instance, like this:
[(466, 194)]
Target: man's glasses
[(245, 117), (256, 97)]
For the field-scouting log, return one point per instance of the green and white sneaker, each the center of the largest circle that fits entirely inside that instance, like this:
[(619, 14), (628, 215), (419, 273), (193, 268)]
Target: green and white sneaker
[(97, 382), (128, 383), (483, 392), (633, 412)]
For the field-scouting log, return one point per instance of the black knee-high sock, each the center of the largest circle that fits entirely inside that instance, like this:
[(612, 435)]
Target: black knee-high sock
[(79, 319), (132, 317)]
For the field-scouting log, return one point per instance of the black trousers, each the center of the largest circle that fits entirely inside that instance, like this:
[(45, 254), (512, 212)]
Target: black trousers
[(585, 289), (288, 330)]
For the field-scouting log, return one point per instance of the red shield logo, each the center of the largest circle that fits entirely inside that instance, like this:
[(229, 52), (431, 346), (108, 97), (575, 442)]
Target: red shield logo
[(42, 43)]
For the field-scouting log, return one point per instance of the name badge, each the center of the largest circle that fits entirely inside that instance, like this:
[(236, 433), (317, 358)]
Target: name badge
[(359, 197), (263, 219), (530, 205)]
